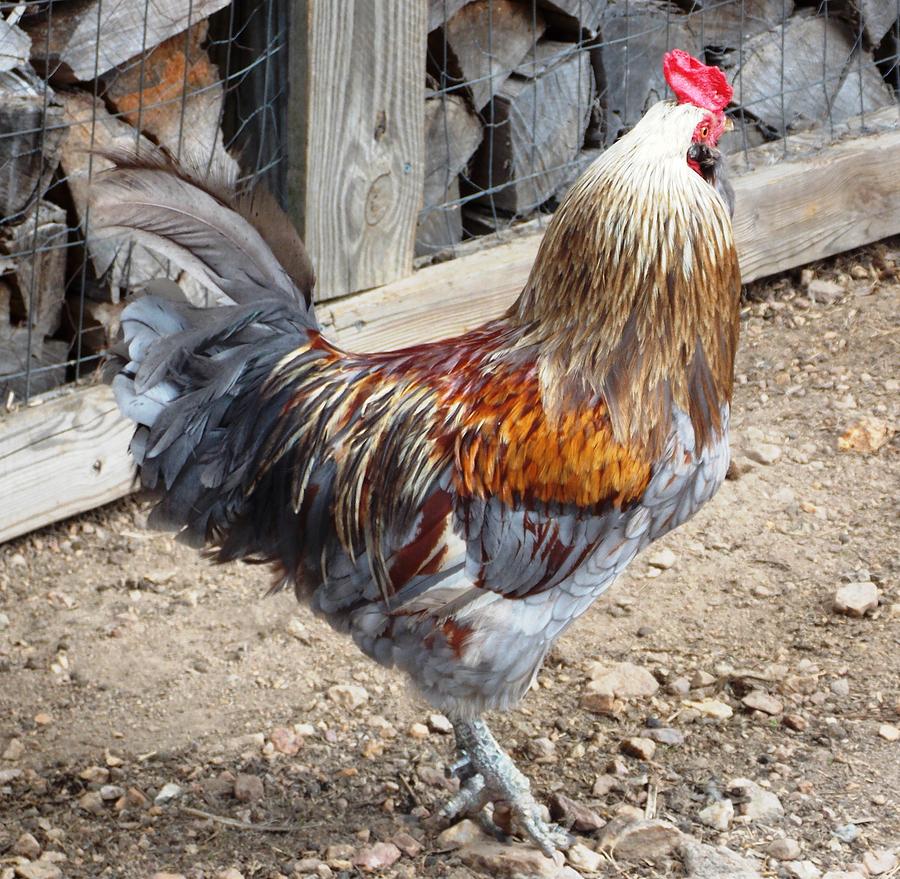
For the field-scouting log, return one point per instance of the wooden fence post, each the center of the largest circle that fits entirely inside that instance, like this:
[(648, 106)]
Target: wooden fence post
[(356, 115)]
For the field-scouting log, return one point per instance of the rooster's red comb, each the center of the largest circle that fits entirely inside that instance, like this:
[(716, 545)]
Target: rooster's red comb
[(695, 83)]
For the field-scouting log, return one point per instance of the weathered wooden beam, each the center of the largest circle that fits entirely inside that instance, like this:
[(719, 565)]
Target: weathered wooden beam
[(356, 154), (60, 458), (69, 454)]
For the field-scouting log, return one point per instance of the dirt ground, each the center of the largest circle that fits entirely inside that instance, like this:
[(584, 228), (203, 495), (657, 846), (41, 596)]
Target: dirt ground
[(123, 651)]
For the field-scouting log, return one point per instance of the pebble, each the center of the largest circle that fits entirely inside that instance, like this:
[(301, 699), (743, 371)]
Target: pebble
[(15, 750), (602, 703), (27, 846), (248, 788), (512, 861), (376, 857), (583, 858), (95, 774), (802, 870), (230, 873), (840, 687), (712, 708), (856, 599), (542, 750), (166, 875), (889, 732), (679, 686), (718, 815), (703, 861), (880, 862), (796, 722), (17, 560), (286, 741), (701, 679), (38, 870), (418, 731), (603, 784), (623, 681), (630, 840), (350, 696), (440, 724), (111, 792), (664, 735), (574, 815), (465, 832), (754, 802), (823, 291), (408, 844), (785, 849), (843, 874), (91, 802), (847, 833), (4, 621), (763, 453), (639, 747), (663, 559), (760, 700), (168, 793)]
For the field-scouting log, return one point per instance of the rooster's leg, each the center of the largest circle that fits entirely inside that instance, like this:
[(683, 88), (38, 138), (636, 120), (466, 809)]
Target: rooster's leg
[(493, 777)]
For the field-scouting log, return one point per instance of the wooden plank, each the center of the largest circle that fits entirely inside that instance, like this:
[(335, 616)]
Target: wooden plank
[(796, 212), (60, 458), (788, 214), (356, 117)]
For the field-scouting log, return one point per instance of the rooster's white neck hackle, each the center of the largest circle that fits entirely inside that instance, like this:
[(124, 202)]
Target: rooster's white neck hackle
[(635, 290)]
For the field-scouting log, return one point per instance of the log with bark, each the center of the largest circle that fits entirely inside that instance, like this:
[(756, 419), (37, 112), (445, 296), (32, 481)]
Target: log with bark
[(452, 134), (31, 137), (485, 40), (637, 33), (33, 254), (823, 77), (540, 117), (723, 24), (64, 39), (174, 96)]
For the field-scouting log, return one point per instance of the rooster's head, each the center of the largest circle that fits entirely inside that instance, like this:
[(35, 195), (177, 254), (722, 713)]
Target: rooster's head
[(693, 82)]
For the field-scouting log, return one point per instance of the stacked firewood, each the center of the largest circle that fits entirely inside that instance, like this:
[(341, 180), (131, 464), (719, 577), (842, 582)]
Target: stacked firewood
[(65, 98), (524, 94)]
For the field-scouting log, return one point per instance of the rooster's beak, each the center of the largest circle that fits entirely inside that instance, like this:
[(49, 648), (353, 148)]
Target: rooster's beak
[(729, 124)]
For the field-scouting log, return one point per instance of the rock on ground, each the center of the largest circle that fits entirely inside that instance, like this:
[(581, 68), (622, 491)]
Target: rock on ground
[(703, 861), (513, 861), (718, 815), (856, 599), (754, 802), (624, 681), (630, 840)]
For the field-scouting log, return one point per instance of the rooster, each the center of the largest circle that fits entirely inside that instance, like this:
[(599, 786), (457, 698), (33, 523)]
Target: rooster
[(455, 506)]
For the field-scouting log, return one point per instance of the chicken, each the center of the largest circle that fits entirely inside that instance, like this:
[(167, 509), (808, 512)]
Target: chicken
[(455, 506)]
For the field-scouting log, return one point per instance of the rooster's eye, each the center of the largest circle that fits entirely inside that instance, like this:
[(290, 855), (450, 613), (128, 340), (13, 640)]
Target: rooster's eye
[(704, 131)]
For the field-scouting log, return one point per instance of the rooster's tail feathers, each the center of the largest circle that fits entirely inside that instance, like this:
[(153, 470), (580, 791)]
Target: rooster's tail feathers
[(241, 247)]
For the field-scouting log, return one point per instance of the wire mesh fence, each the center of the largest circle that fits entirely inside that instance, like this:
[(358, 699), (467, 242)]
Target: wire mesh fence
[(525, 94), (202, 79), (520, 96)]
